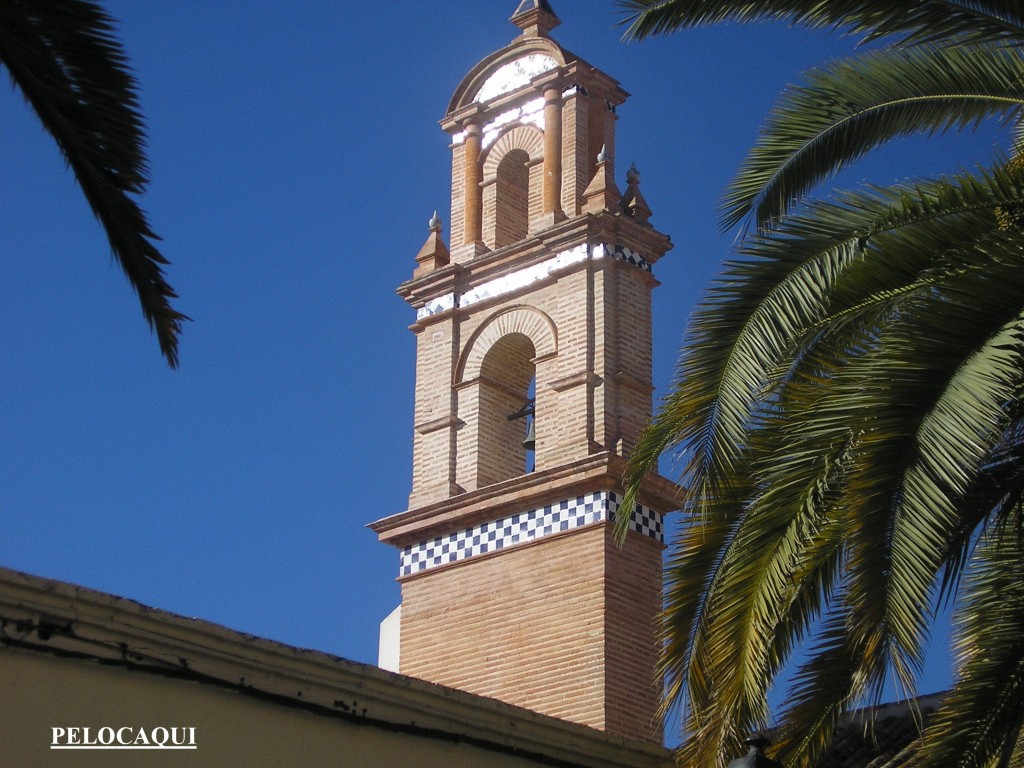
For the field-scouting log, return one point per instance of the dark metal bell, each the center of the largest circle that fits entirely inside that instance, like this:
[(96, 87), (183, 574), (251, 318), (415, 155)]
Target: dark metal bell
[(530, 443)]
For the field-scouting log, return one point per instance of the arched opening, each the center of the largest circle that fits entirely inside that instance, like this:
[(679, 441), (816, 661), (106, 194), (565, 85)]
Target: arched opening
[(506, 375), (512, 199), (530, 440), (494, 379)]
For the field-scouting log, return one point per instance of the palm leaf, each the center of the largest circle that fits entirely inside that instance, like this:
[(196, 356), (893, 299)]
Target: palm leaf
[(63, 57), (920, 21), (978, 723), (761, 309), (850, 107), (826, 423)]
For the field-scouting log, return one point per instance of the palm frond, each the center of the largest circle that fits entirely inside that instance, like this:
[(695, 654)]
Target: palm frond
[(858, 329), (775, 574), (63, 56), (978, 722), (846, 109), (965, 429), (953, 21), (761, 309)]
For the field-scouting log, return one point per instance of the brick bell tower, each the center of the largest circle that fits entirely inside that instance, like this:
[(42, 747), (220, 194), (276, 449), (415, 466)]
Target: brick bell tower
[(538, 314)]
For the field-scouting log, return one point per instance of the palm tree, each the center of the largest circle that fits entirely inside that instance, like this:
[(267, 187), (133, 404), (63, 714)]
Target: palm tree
[(63, 57), (849, 400)]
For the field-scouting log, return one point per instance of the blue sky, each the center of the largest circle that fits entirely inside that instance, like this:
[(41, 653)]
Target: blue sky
[(296, 158)]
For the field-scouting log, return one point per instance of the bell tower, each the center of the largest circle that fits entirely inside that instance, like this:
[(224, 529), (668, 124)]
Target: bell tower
[(536, 313)]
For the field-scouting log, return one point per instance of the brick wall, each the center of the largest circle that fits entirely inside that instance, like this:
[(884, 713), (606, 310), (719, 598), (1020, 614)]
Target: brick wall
[(564, 626), (457, 222), (593, 395)]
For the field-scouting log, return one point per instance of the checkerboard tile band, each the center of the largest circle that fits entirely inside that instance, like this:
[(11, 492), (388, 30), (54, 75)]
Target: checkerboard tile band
[(622, 253), (599, 506), (642, 519)]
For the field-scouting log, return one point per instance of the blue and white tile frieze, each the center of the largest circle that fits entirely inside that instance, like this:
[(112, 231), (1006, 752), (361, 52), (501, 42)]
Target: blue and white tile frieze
[(523, 527), (523, 277)]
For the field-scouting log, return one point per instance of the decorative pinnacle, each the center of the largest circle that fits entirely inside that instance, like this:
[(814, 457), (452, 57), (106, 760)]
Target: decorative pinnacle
[(535, 17), (534, 5), (434, 254), (633, 203)]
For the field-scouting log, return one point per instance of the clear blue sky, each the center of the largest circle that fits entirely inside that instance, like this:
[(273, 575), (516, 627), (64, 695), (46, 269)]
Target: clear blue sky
[(296, 158)]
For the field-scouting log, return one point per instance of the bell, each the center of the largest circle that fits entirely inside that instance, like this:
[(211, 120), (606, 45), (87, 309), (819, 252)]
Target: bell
[(530, 443)]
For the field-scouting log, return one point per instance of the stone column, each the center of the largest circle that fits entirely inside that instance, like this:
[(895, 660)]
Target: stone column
[(552, 150), (474, 141)]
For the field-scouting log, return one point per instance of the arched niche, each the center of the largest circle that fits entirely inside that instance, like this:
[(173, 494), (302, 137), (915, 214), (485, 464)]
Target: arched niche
[(512, 189), (507, 354)]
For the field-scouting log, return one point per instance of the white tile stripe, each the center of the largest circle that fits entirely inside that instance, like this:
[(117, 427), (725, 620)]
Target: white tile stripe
[(531, 113), (523, 277), (522, 527)]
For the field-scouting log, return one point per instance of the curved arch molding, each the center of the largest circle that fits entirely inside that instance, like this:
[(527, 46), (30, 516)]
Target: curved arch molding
[(532, 323), (527, 138)]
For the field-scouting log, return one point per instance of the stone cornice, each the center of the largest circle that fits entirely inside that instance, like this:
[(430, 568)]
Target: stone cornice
[(600, 470), (603, 227)]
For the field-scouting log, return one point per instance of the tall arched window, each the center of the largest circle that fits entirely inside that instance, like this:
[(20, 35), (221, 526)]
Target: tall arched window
[(512, 199), (504, 366), (505, 377)]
